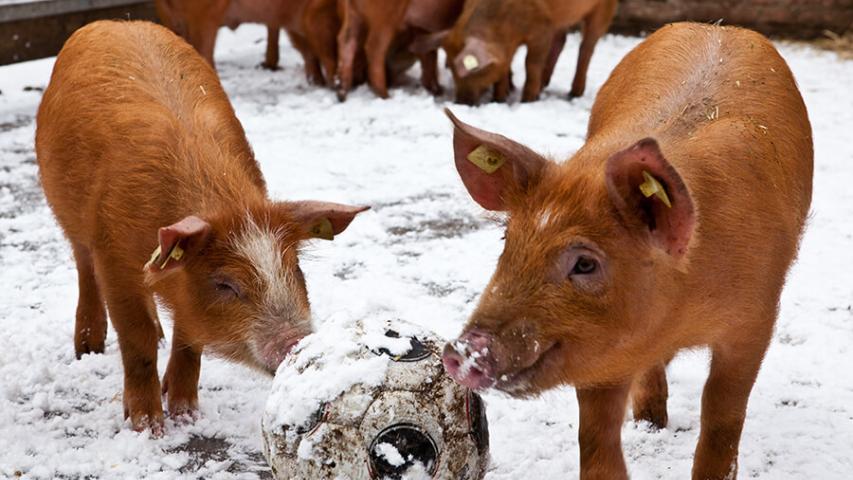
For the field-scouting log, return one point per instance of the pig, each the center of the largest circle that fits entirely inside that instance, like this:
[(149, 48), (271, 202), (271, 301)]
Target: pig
[(672, 227), (483, 41), (139, 151), (385, 29), (311, 25)]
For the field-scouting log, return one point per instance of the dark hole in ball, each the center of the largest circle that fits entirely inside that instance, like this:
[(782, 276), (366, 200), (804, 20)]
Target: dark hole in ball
[(313, 421), (417, 350), (413, 444), (478, 422)]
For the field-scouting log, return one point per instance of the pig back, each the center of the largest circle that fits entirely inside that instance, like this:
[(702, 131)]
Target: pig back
[(135, 131), (726, 110)]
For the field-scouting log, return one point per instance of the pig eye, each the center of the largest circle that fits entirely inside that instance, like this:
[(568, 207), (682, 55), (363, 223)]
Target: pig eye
[(227, 288), (584, 266)]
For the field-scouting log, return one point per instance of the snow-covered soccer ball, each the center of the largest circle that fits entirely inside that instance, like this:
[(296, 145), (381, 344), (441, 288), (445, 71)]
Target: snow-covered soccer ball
[(371, 400)]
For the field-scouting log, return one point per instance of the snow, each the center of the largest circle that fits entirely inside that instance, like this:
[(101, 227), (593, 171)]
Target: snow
[(390, 454), (320, 368), (423, 254)]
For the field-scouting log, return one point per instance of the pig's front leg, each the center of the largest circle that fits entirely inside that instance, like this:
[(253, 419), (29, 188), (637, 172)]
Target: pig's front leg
[(136, 329), (502, 88), (180, 383), (537, 56), (734, 367), (429, 72), (602, 411)]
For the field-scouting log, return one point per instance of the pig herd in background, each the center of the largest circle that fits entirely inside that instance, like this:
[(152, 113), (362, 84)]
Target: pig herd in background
[(346, 42), (673, 227)]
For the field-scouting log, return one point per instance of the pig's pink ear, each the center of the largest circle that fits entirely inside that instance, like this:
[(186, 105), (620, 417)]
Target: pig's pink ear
[(649, 194), (493, 167), (177, 242), (323, 219), (428, 42), (475, 57)]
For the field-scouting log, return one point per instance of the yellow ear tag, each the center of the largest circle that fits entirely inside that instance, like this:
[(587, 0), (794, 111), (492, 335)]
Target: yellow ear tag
[(653, 187), (323, 229), (154, 256), (176, 254), (486, 159), (470, 62)]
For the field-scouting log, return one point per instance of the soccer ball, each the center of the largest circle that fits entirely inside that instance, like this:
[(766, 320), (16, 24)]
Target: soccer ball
[(362, 402)]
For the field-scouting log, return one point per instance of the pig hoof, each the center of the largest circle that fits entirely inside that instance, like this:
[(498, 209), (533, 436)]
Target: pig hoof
[(183, 414), (655, 417), (267, 66), (573, 94), (85, 347), (342, 95), (153, 425), (434, 89)]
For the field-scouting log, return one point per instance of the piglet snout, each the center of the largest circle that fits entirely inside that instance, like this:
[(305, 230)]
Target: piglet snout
[(274, 349), (469, 361)]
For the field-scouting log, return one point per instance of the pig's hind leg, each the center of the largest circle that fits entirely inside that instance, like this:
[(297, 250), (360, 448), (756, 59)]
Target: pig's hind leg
[(649, 395), (271, 58), (313, 69), (594, 26), (376, 48), (90, 328), (734, 367)]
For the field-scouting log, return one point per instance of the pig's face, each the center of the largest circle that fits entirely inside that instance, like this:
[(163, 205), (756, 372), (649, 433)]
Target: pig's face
[(237, 285), (574, 290), (477, 65)]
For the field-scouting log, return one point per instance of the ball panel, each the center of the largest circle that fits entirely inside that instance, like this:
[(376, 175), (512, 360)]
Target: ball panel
[(360, 429)]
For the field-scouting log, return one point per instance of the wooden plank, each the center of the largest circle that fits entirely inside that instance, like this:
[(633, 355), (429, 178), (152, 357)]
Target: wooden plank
[(32, 38), (13, 10)]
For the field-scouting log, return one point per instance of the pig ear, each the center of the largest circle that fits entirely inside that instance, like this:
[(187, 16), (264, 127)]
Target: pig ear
[(649, 194), (474, 57), (491, 165), (177, 242), (428, 42), (323, 219)]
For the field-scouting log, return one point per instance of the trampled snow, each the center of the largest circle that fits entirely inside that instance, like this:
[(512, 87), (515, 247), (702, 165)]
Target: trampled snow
[(422, 254)]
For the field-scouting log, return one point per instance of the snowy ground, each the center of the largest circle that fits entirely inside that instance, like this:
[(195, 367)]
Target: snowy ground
[(423, 254)]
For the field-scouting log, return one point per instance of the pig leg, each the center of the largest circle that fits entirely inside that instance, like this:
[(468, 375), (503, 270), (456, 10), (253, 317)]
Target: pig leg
[(556, 49), (348, 43), (648, 396), (130, 313), (180, 383), (502, 88), (594, 26), (429, 72), (734, 367), (202, 36), (537, 56), (313, 71), (600, 432), (323, 28), (90, 328), (376, 47), (271, 59)]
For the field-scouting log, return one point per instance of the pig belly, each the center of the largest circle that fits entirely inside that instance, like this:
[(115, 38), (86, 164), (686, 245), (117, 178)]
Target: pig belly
[(432, 15), (252, 11)]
